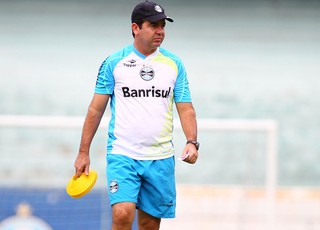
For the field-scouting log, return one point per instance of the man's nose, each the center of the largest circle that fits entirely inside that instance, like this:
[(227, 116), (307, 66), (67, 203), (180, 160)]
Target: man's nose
[(160, 29)]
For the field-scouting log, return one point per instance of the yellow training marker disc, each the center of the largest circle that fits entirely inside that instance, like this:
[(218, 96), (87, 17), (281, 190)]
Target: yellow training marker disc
[(78, 187)]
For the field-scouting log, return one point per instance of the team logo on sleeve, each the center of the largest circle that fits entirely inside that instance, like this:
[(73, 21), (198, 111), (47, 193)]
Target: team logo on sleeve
[(147, 73)]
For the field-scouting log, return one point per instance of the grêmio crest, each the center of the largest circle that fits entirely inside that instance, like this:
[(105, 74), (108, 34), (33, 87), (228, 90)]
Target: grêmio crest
[(147, 73)]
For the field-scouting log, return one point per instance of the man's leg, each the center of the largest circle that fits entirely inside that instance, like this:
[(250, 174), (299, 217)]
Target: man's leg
[(147, 222), (123, 215)]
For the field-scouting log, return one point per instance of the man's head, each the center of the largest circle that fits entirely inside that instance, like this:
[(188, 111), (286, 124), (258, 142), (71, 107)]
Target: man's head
[(149, 11), (148, 26)]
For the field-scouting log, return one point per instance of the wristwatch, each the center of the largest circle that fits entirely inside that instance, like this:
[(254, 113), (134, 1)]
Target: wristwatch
[(195, 143)]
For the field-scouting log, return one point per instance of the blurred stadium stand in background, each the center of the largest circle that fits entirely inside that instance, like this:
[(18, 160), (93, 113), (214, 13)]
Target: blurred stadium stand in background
[(247, 60)]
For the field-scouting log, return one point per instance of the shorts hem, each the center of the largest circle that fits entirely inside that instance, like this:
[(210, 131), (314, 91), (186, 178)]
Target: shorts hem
[(165, 216), (123, 201)]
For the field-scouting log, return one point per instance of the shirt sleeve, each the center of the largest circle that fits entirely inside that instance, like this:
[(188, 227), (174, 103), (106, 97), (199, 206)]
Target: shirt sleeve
[(181, 90), (105, 79)]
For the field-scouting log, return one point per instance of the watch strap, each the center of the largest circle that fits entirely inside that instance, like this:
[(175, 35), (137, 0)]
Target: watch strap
[(195, 143)]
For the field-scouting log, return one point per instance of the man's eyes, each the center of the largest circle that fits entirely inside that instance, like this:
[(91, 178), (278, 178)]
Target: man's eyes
[(154, 25)]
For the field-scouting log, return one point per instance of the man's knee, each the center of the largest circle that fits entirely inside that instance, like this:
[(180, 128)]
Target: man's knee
[(123, 215)]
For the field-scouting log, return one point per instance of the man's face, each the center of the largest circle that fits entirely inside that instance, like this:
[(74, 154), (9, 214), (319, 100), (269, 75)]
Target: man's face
[(151, 35)]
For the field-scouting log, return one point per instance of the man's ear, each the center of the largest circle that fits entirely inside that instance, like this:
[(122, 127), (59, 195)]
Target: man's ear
[(135, 28)]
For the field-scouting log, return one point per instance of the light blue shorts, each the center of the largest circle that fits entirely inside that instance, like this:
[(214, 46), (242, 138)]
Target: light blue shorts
[(150, 184)]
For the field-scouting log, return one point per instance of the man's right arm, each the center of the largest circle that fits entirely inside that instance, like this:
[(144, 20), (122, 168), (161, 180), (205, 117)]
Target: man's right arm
[(90, 126)]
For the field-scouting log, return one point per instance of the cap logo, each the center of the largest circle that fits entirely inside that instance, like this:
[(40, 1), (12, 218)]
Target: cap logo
[(158, 8)]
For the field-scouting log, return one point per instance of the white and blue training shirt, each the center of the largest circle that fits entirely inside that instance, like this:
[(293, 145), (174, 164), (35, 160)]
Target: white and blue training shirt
[(143, 90)]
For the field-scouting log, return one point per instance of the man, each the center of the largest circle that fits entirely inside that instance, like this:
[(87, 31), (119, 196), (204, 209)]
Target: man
[(142, 82)]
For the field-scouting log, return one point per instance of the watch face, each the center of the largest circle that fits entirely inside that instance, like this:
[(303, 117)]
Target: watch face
[(197, 145)]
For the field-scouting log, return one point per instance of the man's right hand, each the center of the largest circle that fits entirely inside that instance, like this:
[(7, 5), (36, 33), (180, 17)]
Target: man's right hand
[(82, 164)]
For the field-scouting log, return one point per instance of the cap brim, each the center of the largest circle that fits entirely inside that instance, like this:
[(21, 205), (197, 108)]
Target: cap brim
[(158, 18), (169, 19)]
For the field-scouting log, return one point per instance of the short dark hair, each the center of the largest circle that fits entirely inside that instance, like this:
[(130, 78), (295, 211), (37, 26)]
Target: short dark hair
[(139, 22)]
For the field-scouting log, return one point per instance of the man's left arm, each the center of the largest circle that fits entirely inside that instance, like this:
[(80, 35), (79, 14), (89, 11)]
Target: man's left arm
[(188, 121)]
